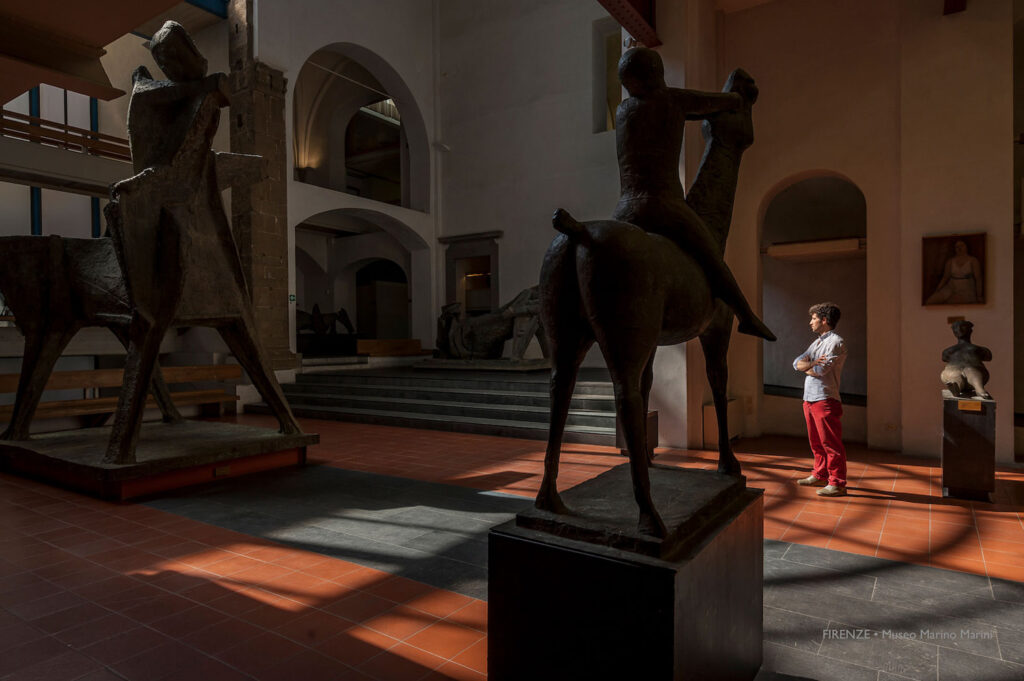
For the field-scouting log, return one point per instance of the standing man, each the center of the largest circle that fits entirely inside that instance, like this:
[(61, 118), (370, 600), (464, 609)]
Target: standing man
[(823, 363)]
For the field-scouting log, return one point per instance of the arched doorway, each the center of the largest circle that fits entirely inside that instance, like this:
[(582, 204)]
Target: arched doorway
[(813, 246), (367, 268), (357, 128), (382, 300)]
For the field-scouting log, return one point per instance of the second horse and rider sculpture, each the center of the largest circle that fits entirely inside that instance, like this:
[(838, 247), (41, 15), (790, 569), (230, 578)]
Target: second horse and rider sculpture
[(170, 258), (654, 274)]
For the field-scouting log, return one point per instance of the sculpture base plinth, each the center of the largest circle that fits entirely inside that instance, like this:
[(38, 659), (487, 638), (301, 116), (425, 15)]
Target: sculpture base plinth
[(168, 456), (563, 606), (326, 345), (968, 447)]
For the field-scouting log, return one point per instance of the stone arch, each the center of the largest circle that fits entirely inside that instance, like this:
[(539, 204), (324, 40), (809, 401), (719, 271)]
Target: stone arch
[(334, 83), (311, 278), (813, 233), (382, 299), (355, 237)]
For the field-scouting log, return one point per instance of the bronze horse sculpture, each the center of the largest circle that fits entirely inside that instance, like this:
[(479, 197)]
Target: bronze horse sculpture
[(55, 286), (631, 290)]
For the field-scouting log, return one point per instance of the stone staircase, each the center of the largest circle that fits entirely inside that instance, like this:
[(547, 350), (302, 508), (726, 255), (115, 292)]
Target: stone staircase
[(485, 402)]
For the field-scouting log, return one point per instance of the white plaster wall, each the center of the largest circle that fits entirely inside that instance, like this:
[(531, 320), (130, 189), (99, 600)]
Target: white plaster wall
[(66, 214), (516, 85), (401, 32), (915, 109), (829, 104), (16, 216), (956, 85), (314, 287)]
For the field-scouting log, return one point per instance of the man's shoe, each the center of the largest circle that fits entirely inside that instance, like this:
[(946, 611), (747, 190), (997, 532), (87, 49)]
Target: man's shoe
[(832, 491), (812, 482)]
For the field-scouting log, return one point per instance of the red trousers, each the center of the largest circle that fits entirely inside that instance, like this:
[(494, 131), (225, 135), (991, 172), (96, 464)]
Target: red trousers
[(825, 433)]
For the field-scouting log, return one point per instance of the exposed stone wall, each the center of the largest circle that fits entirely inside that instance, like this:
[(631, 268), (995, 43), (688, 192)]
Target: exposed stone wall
[(259, 212)]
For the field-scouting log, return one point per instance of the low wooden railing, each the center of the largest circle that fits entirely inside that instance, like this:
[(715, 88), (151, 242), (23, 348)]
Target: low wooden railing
[(63, 136), (91, 380)]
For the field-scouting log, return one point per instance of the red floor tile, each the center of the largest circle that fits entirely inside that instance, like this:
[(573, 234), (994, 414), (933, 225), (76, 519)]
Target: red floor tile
[(74, 571), (402, 662), (356, 645), (445, 638)]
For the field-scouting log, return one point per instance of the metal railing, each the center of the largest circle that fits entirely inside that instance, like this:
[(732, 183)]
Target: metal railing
[(63, 136)]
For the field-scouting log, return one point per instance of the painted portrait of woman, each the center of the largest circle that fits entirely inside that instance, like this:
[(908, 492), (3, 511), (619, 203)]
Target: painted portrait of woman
[(953, 270)]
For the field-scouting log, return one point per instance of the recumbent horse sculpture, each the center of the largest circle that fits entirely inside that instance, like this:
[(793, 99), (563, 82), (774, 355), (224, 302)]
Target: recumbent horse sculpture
[(631, 291)]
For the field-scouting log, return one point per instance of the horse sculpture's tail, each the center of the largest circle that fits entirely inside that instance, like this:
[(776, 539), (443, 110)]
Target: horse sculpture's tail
[(568, 225)]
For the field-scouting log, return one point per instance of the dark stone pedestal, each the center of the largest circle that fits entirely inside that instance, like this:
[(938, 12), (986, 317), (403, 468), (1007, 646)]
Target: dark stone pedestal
[(168, 456), (561, 606), (968, 447), (326, 345)]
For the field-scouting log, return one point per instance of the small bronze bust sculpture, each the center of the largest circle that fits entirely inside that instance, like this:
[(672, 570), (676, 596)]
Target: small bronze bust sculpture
[(965, 374)]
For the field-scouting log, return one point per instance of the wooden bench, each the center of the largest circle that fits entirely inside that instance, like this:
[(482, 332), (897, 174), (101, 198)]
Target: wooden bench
[(209, 401)]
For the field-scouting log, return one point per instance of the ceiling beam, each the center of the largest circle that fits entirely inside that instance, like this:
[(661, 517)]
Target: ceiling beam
[(39, 56), (954, 6), (60, 43), (637, 17)]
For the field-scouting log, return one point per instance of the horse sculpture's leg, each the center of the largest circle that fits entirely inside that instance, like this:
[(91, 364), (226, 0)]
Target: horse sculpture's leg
[(240, 339), (143, 349), (161, 393), (629, 403), (42, 349), (715, 342), (568, 339), (567, 355), (646, 381)]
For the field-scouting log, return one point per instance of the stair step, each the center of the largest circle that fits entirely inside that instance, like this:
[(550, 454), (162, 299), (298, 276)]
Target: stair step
[(469, 380), (299, 391), (452, 409), (596, 435)]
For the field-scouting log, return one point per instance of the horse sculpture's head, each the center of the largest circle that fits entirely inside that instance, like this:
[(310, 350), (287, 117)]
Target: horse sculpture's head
[(734, 128)]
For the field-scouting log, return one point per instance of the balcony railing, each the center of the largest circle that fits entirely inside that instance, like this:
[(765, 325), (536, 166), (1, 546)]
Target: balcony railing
[(63, 136)]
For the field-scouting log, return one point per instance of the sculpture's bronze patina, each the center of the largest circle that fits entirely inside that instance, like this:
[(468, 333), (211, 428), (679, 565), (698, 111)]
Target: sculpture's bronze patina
[(484, 337), (54, 287), (631, 289), (965, 374), (648, 139), (170, 232)]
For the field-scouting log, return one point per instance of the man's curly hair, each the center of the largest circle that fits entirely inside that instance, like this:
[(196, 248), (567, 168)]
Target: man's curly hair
[(827, 311)]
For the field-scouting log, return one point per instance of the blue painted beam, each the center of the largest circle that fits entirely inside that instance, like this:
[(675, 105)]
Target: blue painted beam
[(216, 7), (35, 194), (94, 202)]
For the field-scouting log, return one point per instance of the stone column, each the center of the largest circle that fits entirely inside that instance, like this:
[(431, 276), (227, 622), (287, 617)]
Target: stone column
[(259, 211)]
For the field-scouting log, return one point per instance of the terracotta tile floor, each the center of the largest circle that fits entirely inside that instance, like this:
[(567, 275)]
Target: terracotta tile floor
[(93, 590), (894, 509)]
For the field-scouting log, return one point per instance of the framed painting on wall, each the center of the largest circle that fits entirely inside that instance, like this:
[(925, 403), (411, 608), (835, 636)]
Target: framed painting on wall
[(953, 269)]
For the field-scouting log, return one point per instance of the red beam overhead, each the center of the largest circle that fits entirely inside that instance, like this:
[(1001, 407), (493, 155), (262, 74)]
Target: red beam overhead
[(637, 17), (954, 6), (60, 42)]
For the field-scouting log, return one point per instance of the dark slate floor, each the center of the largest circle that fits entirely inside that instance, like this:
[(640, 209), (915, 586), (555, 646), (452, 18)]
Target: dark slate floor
[(435, 534), (834, 615), (828, 615)]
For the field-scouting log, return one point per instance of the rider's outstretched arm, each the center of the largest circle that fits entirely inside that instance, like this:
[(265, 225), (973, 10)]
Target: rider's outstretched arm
[(699, 105)]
